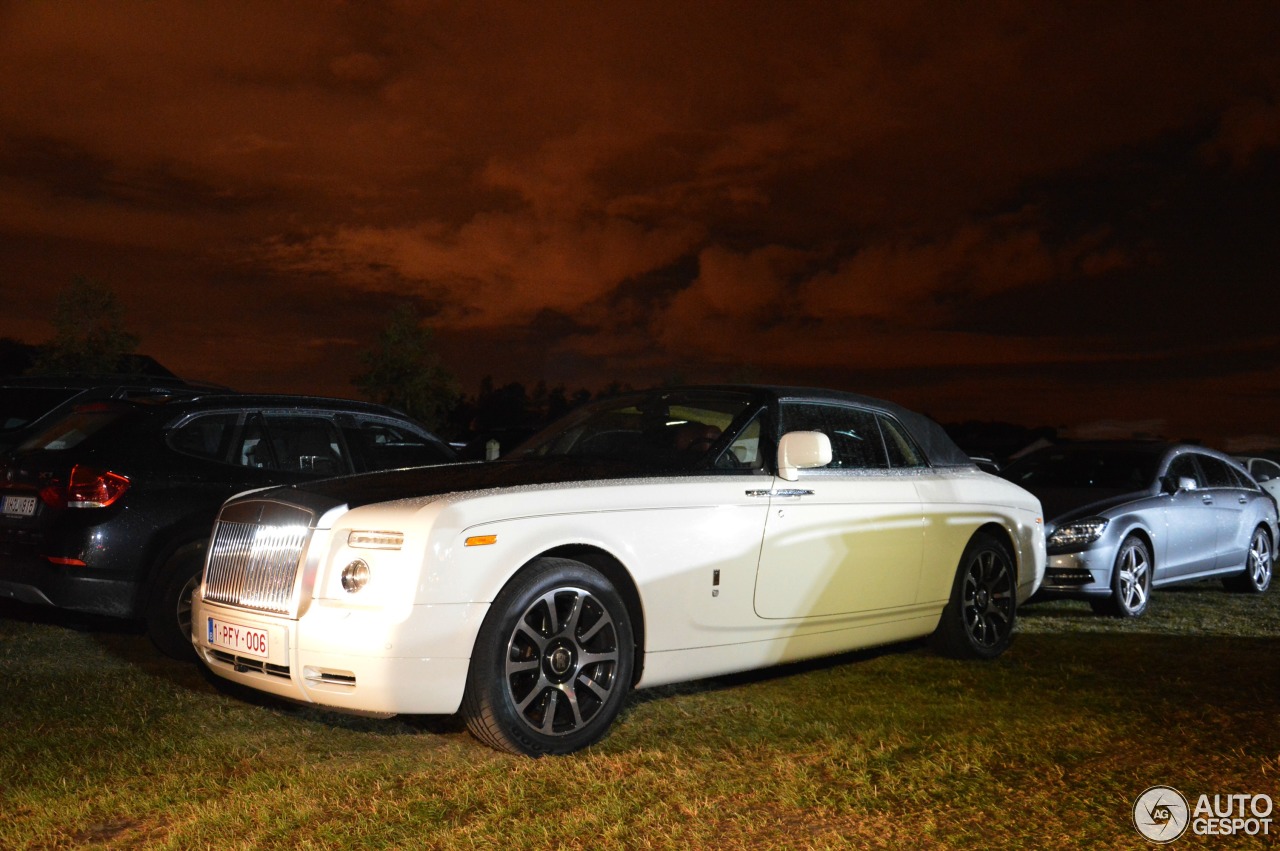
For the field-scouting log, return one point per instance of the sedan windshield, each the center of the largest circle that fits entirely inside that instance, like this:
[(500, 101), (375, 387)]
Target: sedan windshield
[(1124, 470), (666, 429)]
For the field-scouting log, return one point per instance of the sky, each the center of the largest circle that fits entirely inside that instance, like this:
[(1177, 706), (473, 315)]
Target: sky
[(1058, 214)]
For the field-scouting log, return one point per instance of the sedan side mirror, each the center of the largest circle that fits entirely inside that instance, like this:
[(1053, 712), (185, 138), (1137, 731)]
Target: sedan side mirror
[(802, 450), (1181, 483)]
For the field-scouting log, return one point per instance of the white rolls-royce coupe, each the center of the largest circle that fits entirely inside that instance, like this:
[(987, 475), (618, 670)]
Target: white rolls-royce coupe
[(650, 538)]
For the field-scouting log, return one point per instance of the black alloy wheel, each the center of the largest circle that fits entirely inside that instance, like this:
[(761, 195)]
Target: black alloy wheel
[(978, 621), (552, 663)]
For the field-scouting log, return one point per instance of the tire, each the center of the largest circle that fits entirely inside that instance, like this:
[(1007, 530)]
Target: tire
[(552, 663), (1130, 581), (978, 620), (1256, 577), (169, 610)]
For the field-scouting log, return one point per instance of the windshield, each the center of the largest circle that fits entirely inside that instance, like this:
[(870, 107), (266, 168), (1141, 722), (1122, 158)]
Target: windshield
[(669, 429), (1118, 469)]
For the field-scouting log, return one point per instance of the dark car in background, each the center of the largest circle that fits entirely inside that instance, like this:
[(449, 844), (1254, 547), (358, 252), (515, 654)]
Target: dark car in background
[(1122, 518), (29, 403), (108, 509)]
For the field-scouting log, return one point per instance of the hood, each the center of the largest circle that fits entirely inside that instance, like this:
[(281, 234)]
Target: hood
[(413, 482), (1062, 505)]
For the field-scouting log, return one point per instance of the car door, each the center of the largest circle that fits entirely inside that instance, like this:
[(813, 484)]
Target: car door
[(1230, 504), (845, 538), (1191, 524)]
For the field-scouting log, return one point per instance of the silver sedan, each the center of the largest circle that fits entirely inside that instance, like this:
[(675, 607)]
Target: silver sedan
[(1123, 518)]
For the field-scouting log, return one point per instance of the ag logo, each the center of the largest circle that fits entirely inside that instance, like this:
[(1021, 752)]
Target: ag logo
[(1161, 814)]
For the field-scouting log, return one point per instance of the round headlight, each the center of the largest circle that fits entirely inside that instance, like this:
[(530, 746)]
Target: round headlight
[(355, 576)]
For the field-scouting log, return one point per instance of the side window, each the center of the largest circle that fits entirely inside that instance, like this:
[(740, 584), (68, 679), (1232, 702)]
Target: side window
[(305, 443), (207, 436), (1217, 474), (855, 436), (902, 450), (382, 445), (254, 450), (1242, 479), (1184, 467)]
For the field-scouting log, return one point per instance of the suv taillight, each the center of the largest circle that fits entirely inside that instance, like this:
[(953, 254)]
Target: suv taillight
[(88, 487)]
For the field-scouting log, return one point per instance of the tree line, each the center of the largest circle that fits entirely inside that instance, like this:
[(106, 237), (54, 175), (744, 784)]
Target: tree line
[(401, 368)]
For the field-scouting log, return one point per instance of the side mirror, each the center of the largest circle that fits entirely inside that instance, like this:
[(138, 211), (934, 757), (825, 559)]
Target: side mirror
[(1181, 483), (802, 450)]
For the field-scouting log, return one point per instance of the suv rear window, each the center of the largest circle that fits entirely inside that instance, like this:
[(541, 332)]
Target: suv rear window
[(21, 405), (73, 429)]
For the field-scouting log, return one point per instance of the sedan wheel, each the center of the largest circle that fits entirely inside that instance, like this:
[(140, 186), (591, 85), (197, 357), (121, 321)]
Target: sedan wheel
[(1256, 577), (552, 662), (978, 620), (1130, 580)]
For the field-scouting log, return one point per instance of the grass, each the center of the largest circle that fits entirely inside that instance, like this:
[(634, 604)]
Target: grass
[(108, 745)]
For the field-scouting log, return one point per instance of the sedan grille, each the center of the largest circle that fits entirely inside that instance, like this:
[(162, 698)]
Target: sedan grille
[(254, 565)]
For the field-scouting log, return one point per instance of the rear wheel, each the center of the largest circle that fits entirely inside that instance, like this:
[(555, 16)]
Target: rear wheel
[(978, 620), (1130, 581), (1256, 577), (552, 663), (169, 611)]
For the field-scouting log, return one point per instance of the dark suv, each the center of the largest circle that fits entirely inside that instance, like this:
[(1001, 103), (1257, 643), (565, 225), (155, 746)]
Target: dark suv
[(108, 510)]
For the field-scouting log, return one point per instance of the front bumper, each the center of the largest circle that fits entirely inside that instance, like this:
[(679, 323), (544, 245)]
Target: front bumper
[(1082, 574), (351, 659)]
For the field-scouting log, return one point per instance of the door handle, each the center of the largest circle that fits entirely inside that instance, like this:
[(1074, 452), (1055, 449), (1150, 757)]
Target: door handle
[(781, 492)]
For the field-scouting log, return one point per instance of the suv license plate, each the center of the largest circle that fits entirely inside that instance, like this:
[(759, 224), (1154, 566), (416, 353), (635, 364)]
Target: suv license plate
[(238, 638), (19, 506)]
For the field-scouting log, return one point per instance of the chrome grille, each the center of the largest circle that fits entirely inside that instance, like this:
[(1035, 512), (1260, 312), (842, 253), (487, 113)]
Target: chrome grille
[(254, 565)]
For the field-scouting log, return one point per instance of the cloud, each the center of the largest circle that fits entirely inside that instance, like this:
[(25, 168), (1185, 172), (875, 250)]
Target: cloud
[(866, 187)]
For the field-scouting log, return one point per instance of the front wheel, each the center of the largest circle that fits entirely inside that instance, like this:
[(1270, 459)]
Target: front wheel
[(169, 610), (1130, 581), (978, 620), (1256, 577), (552, 663)]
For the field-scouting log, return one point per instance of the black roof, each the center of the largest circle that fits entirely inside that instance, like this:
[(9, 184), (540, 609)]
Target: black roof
[(938, 446), (282, 400)]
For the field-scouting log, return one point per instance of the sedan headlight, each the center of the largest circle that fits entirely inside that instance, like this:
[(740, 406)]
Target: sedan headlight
[(1078, 534)]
